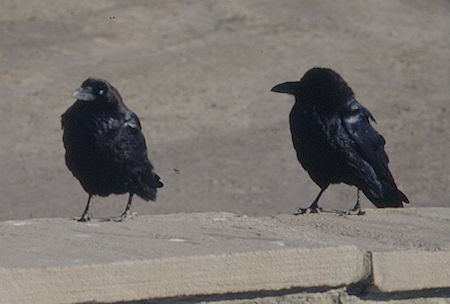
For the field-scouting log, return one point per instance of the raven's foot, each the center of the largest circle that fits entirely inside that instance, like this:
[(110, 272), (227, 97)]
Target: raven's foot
[(307, 210), (127, 215), (86, 217), (354, 211)]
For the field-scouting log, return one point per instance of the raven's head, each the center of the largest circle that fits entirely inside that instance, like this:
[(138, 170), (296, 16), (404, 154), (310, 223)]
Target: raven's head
[(318, 86), (97, 90)]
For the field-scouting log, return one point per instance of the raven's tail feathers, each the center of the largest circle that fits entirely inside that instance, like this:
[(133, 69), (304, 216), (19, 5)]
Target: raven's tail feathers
[(160, 184), (402, 196), (148, 185), (390, 198)]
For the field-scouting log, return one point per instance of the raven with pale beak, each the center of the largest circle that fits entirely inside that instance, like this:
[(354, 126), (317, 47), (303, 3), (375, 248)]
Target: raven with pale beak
[(335, 141), (105, 147)]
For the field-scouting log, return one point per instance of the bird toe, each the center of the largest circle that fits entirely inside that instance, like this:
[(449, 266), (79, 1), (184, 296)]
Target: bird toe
[(299, 211), (128, 215)]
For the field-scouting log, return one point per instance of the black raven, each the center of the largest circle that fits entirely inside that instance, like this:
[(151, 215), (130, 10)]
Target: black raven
[(335, 142), (105, 148)]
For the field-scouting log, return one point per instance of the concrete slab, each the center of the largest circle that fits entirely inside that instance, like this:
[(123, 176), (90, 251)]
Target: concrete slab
[(410, 270), (63, 261), (64, 242), (185, 276)]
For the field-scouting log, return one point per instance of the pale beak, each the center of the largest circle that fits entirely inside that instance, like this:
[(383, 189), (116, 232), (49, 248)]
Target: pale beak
[(84, 93)]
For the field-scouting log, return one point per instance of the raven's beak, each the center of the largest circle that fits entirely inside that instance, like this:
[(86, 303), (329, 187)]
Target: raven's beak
[(84, 93), (290, 87)]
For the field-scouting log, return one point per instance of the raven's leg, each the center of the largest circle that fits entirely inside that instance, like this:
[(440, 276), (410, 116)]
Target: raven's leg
[(126, 215), (314, 208), (86, 214), (356, 210)]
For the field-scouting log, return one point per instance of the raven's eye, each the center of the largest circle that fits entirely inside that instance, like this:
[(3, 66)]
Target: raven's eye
[(100, 92)]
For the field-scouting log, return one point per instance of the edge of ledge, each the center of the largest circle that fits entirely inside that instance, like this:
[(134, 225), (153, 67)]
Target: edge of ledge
[(229, 273), (186, 276), (394, 271)]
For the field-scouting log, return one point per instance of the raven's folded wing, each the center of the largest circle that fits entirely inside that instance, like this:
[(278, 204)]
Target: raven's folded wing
[(370, 146), (369, 143)]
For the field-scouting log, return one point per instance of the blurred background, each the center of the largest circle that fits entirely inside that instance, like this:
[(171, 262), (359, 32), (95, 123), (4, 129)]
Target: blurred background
[(199, 74)]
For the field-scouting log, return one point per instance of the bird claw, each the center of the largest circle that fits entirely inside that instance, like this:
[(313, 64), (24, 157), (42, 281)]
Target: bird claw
[(127, 215), (350, 212), (299, 211), (86, 217)]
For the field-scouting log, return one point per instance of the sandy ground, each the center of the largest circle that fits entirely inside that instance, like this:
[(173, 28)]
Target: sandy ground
[(198, 74)]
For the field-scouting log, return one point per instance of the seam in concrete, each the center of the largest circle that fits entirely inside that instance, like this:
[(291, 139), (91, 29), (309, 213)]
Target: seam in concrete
[(214, 277), (405, 295), (226, 296), (363, 286), (340, 293)]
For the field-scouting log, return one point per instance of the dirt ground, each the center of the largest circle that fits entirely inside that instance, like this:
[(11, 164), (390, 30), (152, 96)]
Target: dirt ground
[(198, 74)]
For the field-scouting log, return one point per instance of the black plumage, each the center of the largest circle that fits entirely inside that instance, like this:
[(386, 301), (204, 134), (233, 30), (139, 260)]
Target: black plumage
[(105, 148), (335, 141)]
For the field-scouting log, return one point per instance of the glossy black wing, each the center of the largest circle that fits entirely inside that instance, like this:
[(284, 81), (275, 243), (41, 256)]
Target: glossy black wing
[(368, 142), (130, 141), (130, 150), (128, 146), (369, 145)]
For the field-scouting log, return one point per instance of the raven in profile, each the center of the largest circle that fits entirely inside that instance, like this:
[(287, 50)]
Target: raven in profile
[(105, 148), (335, 142)]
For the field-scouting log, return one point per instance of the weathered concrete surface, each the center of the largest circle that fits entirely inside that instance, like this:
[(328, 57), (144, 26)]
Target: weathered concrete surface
[(424, 270), (64, 242), (185, 276), (335, 296), (178, 255)]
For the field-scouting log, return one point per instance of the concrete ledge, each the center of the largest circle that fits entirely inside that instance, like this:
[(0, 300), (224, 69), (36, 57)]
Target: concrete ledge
[(389, 253), (410, 270), (195, 275)]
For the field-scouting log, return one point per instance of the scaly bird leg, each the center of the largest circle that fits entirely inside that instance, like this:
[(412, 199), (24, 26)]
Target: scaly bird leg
[(126, 215), (86, 216), (356, 210), (314, 208)]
